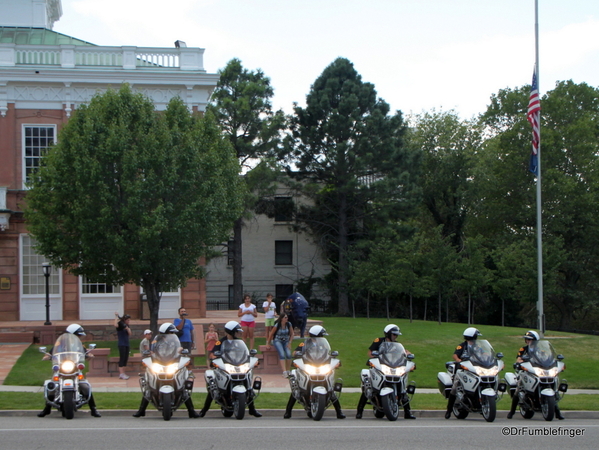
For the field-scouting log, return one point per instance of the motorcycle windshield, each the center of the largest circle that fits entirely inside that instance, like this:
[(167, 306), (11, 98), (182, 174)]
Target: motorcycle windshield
[(542, 354), (316, 350), (482, 354), (68, 347), (235, 352), (166, 348), (392, 354)]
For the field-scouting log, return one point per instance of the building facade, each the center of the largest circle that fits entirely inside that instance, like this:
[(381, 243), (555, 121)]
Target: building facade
[(44, 76)]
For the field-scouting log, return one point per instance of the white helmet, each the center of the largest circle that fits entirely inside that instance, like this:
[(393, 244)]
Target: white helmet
[(167, 328), (391, 329), (471, 333), (232, 327), (318, 331), (532, 335), (75, 329)]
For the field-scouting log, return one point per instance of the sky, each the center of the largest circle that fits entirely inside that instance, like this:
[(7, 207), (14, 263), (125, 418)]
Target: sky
[(419, 54)]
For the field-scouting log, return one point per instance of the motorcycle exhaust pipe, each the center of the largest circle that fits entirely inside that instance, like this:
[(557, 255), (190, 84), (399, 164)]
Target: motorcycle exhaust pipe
[(502, 387), (51, 386)]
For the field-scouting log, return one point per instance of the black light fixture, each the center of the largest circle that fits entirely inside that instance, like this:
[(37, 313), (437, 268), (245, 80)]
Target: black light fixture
[(47, 268)]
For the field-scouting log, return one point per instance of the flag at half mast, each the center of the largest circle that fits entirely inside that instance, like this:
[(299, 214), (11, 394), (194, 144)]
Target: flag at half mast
[(534, 117)]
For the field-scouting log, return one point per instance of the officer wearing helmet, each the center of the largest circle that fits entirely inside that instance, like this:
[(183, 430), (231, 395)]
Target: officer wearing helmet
[(530, 338), (391, 332), (84, 386), (316, 331), (232, 330), (461, 351)]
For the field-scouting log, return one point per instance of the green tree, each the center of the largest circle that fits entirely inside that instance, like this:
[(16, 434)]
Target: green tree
[(129, 195), (241, 105), (347, 153)]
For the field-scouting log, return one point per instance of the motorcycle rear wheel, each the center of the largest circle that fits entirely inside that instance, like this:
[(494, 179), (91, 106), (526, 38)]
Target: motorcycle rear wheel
[(239, 406), (489, 408), (317, 406), (390, 407), (167, 410), (548, 407), (68, 406)]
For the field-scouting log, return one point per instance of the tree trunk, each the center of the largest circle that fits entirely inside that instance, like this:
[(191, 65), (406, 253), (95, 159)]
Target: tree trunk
[(368, 305), (469, 310), (410, 307), (439, 307), (237, 265), (387, 306), (425, 307), (343, 266), (153, 295)]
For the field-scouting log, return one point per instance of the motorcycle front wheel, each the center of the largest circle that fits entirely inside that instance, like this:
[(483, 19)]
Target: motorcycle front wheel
[(548, 407), (167, 409), (390, 407), (317, 406), (68, 405), (489, 408), (239, 406)]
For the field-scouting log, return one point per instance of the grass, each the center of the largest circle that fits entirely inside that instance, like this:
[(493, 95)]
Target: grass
[(432, 344)]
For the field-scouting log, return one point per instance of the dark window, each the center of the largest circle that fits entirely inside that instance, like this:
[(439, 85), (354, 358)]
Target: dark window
[(283, 253), (283, 209), (282, 291)]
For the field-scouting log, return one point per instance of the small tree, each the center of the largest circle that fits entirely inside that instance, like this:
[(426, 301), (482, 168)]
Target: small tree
[(129, 195)]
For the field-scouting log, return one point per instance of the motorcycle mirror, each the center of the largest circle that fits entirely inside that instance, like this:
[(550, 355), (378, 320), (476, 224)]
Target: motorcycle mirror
[(218, 354), (560, 357), (335, 354), (42, 349), (91, 346), (410, 356), (253, 352), (375, 354), (297, 354), (146, 353), (465, 358), (499, 355), (525, 358)]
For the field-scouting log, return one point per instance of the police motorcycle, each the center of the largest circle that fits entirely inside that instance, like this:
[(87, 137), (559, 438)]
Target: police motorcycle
[(166, 383), (230, 383), (312, 381), (68, 390), (536, 385), (476, 381), (385, 384)]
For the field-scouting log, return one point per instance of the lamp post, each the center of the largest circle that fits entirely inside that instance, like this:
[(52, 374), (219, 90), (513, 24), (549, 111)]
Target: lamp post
[(47, 271)]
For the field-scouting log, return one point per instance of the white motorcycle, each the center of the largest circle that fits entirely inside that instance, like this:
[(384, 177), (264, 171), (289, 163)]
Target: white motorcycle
[(166, 382), (231, 384), (385, 385), (68, 390), (537, 384), (477, 381), (313, 382)]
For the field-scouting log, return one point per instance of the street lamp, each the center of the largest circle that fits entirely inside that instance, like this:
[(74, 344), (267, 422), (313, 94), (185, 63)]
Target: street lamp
[(47, 271)]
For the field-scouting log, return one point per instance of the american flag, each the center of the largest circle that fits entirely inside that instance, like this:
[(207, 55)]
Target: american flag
[(534, 117)]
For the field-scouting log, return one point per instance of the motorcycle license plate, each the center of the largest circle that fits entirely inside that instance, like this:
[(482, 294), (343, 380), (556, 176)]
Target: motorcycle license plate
[(68, 384)]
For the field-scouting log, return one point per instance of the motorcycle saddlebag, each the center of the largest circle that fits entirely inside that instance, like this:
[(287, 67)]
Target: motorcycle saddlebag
[(512, 382), (444, 382)]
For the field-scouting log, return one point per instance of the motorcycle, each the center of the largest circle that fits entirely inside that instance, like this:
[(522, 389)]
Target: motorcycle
[(537, 382), (67, 390), (231, 383), (312, 381), (477, 381), (385, 384), (166, 382)]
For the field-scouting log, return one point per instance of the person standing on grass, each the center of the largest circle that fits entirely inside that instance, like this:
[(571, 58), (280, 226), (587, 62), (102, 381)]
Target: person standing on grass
[(248, 313), (123, 332)]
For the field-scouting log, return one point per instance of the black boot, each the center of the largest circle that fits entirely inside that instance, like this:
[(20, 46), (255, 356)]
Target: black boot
[(47, 410), (407, 414), (207, 404), (289, 408), (361, 405), (190, 409), (450, 404), (337, 406), (514, 406), (252, 410), (92, 406), (141, 412), (558, 413)]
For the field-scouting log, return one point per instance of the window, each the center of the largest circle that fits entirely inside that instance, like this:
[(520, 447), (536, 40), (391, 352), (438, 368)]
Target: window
[(36, 139), (283, 253), (33, 280), (282, 291), (91, 287), (230, 252), (283, 209)]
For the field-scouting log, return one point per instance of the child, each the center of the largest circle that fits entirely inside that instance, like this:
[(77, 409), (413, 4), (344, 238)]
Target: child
[(210, 340)]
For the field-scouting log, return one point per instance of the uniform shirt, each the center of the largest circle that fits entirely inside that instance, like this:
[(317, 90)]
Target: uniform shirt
[(522, 351), (459, 350), (374, 347), (219, 343)]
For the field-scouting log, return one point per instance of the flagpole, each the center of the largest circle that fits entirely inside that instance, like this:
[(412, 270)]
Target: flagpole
[(541, 317)]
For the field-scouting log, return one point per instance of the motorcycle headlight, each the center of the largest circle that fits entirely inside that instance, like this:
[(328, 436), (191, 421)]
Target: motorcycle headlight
[(394, 371), (318, 370), (169, 370), (67, 367), (243, 368), (552, 373), (490, 372)]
